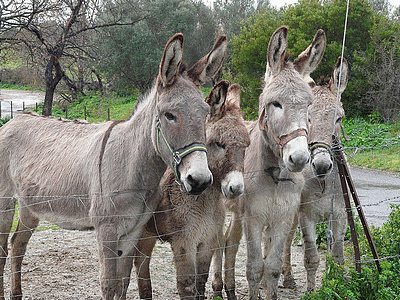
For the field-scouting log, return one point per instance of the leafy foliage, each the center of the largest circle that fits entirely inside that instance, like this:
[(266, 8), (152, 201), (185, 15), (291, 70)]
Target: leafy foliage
[(4, 120), (131, 55), (343, 282), (369, 133), (120, 105), (365, 27)]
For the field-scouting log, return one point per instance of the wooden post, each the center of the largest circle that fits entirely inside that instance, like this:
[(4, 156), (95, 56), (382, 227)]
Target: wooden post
[(11, 110), (23, 106), (36, 107), (349, 212), (66, 112), (108, 114), (361, 215), (347, 182), (84, 111)]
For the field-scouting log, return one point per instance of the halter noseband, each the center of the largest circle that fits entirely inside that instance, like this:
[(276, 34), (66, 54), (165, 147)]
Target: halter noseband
[(322, 145), (284, 139), (177, 155)]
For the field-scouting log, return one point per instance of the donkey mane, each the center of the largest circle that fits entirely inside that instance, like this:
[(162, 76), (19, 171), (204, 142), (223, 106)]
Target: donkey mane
[(324, 80), (75, 121)]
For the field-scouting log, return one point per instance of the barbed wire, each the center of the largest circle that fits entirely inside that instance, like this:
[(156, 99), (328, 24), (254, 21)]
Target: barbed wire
[(85, 199)]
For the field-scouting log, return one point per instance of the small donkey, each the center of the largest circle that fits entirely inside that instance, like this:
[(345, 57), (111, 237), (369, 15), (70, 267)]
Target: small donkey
[(321, 194), (193, 225)]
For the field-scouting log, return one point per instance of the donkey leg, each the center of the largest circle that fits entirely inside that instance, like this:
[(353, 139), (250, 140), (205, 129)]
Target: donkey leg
[(142, 258), (233, 236), (339, 232), (124, 268), (7, 206), (216, 262), (203, 261), (274, 243), (254, 265), (19, 241), (108, 254), (288, 279), (311, 256), (185, 264)]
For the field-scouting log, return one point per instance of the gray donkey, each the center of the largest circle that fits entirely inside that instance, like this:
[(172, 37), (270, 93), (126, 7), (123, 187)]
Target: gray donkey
[(277, 153), (193, 225), (321, 194), (98, 176)]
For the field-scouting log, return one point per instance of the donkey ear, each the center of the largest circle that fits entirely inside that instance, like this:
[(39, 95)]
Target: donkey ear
[(171, 60), (234, 95), (342, 76), (276, 53), (216, 99), (310, 58), (262, 121), (208, 66)]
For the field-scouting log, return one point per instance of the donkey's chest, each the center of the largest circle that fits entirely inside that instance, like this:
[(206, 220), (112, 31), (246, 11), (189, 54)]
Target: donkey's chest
[(195, 220), (272, 202)]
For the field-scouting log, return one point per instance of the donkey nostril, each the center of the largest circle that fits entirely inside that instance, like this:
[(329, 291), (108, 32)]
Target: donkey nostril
[(198, 186), (330, 166), (190, 180)]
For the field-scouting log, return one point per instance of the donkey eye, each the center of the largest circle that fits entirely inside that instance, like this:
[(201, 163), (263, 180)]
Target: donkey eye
[(170, 116), (277, 104), (218, 144)]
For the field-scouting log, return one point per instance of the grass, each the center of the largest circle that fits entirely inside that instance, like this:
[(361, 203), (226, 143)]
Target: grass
[(97, 106), (385, 159), (39, 228), (373, 144), (7, 86)]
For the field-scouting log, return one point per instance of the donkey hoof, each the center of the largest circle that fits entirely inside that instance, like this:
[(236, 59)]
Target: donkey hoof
[(289, 282)]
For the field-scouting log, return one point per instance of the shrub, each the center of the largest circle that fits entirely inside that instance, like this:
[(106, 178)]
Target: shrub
[(343, 282), (4, 120)]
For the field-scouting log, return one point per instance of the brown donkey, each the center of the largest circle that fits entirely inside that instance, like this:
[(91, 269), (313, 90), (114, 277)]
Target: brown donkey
[(321, 194), (101, 176), (193, 224), (277, 153)]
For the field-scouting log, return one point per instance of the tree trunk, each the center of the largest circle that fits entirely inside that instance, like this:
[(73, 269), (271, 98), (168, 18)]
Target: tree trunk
[(51, 83)]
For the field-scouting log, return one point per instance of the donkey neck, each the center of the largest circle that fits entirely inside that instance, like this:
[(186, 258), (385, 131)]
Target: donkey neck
[(259, 155), (144, 166)]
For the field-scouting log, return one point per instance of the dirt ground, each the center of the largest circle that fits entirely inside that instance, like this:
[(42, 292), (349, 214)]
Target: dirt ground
[(63, 264)]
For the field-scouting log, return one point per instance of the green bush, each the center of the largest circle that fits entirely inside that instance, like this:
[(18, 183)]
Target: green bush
[(370, 132), (120, 105), (4, 120), (343, 282)]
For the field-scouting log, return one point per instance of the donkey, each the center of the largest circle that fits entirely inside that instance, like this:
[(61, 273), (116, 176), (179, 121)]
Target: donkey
[(193, 225), (98, 176), (278, 151), (321, 194)]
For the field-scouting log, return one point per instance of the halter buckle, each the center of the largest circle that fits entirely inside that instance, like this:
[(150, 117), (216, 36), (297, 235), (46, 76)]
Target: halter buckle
[(177, 158)]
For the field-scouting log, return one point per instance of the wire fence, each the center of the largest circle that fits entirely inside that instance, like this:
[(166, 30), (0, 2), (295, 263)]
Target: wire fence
[(64, 264)]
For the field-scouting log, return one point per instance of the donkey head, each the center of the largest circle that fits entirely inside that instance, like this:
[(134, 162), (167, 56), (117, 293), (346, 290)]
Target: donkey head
[(179, 134), (324, 117), (286, 97), (227, 138)]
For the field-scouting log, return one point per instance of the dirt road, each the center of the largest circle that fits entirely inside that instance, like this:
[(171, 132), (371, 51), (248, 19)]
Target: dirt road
[(18, 99)]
